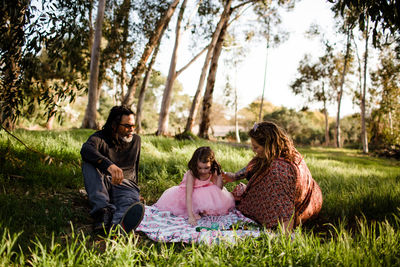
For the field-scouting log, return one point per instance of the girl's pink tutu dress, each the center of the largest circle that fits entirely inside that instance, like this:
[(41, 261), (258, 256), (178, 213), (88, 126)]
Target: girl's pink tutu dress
[(207, 198)]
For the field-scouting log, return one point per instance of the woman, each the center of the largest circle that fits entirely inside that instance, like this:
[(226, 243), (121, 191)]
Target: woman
[(280, 188)]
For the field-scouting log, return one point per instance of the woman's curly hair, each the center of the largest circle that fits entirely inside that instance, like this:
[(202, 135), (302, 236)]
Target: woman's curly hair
[(276, 142)]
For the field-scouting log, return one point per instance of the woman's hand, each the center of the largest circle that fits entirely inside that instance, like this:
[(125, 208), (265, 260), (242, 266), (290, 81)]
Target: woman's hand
[(238, 191), (228, 177)]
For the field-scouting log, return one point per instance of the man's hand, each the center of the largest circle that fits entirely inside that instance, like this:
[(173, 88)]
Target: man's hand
[(117, 175)]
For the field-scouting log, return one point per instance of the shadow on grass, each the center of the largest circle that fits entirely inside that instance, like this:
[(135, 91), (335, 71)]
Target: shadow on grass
[(41, 213)]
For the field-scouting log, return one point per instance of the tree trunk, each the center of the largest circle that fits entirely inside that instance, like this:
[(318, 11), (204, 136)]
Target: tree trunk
[(143, 90), (340, 93), (327, 139), (155, 38), (122, 79), (164, 111), (207, 99), (126, 6), (236, 115), (195, 104), (260, 115), (50, 121), (364, 139), (89, 120)]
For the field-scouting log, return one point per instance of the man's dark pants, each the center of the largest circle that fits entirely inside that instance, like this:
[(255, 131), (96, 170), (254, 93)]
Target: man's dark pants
[(103, 194)]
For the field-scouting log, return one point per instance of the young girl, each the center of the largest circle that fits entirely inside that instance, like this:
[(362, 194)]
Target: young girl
[(201, 191)]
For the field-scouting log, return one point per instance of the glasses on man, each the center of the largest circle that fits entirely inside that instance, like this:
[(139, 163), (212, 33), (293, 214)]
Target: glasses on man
[(128, 126)]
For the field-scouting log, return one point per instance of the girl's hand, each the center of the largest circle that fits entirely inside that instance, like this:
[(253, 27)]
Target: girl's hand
[(192, 221)]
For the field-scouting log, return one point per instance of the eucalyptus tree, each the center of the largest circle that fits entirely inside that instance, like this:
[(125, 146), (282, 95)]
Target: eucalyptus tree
[(347, 56), (315, 82), (385, 16), (265, 8), (235, 55), (157, 18), (164, 111), (89, 121), (59, 29), (385, 98), (143, 89), (15, 17), (364, 14), (214, 38)]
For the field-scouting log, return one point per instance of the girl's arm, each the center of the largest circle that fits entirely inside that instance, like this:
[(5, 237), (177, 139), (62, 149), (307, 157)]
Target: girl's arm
[(217, 180), (189, 192)]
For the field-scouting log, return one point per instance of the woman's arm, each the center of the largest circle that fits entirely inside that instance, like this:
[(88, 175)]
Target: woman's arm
[(232, 177), (189, 192)]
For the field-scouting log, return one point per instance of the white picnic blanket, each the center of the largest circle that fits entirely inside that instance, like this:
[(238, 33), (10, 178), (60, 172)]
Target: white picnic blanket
[(163, 226)]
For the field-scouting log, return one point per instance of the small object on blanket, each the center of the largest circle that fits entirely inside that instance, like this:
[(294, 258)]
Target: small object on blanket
[(244, 226), (214, 227)]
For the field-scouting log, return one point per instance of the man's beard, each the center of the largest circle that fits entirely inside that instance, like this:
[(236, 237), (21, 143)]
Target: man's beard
[(126, 139)]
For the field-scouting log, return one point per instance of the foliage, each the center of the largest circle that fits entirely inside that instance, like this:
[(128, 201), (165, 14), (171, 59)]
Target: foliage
[(385, 98), (243, 136), (43, 219), (384, 14), (31, 32), (249, 115), (317, 81), (186, 136), (350, 127), (304, 127)]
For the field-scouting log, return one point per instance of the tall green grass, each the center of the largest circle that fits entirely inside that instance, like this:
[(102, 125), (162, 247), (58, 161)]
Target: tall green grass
[(44, 216)]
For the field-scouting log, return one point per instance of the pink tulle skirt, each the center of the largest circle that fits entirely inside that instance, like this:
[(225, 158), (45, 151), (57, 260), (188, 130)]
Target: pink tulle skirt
[(206, 200)]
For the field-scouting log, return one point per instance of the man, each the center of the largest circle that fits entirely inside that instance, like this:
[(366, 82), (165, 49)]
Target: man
[(110, 167)]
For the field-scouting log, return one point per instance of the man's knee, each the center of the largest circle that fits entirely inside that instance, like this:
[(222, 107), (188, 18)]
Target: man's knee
[(88, 170)]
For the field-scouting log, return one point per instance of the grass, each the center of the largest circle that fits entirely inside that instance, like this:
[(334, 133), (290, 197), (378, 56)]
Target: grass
[(44, 214)]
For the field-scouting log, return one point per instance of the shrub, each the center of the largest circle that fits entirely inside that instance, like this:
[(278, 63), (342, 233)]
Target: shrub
[(242, 135)]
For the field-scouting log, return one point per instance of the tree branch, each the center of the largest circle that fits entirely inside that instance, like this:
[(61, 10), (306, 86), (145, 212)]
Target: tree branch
[(191, 61)]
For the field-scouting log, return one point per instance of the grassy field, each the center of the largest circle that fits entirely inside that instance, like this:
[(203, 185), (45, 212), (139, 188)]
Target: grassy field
[(44, 212)]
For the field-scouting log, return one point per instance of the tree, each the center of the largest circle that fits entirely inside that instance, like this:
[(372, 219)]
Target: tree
[(193, 109), (347, 27), (385, 96), (143, 89), (207, 99), (89, 120), (314, 82), (153, 40), (384, 15), (55, 28), (364, 138), (12, 25), (258, 6), (163, 120)]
